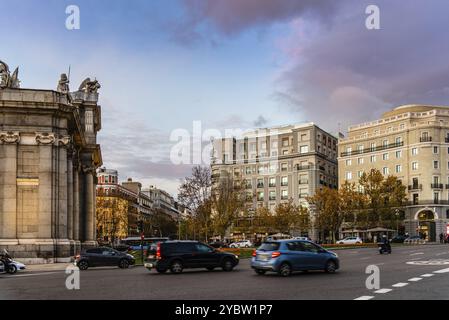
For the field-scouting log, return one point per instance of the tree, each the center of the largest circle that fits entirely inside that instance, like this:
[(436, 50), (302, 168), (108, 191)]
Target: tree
[(228, 201), (162, 224), (195, 194)]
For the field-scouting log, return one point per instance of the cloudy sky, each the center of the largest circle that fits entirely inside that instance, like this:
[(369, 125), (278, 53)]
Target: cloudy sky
[(229, 64)]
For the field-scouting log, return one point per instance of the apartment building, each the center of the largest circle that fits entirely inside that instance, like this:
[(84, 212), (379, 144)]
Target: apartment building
[(278, 164), (412, 143)]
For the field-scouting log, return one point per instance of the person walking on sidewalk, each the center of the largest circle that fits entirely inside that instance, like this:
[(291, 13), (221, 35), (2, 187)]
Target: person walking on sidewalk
[(441, 237)]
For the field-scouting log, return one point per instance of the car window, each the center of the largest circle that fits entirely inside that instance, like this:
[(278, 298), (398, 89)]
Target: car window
[(294, 246), (94, 251), (202, 248), (310, 247), (269, 246)]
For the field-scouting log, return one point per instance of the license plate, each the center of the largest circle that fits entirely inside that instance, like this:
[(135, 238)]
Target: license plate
[(262, 257), (148, 265), (151, 256)]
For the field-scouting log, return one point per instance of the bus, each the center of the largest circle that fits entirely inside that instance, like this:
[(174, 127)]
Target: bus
[(134, 243)]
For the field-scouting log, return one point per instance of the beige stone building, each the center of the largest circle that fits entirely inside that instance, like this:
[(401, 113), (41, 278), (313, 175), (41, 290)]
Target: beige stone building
[(48, 157), (412, 143), (278, 164)]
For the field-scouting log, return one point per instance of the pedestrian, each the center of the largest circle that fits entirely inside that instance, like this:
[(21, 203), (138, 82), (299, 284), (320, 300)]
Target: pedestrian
[(441, 237)]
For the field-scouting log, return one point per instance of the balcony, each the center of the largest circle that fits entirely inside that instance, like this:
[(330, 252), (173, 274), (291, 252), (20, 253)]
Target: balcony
[(303, 181), (369, 150), (425, 139), (436, 186), (415, 187), (303, 195), (305, 167), (427, 202)]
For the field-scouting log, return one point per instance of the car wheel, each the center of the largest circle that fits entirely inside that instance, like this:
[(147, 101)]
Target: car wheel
[(210, 268), (330, 267), (123, 264), (285, 270), (12, 269), (161, 270), (227, 265), (260, 272), (176, 267), (83, 265)]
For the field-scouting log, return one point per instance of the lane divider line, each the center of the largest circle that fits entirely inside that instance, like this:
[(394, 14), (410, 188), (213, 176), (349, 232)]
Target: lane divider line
[(364, 298), (442, 271), (383, 291), (414, 279), (400, 284), (427, 275)]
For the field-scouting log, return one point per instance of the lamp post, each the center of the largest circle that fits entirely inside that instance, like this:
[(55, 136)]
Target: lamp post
[(397, 221)]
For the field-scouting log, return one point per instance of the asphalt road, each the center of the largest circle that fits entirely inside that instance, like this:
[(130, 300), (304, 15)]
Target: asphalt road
[(398, 280)]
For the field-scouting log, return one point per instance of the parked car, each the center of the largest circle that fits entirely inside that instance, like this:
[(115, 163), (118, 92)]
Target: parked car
[(350, 240), (303, 238), (398, 239), (103, 256), (18, 266), (241, 244), (179, 255), (218, 245), (288, 256)]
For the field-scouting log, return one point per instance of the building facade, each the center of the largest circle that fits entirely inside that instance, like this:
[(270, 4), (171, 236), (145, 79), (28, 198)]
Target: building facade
[(412, 143), (48, 160), (278, 164)]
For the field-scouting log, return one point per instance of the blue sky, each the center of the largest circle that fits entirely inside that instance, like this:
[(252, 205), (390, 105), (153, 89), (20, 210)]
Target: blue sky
[(228, 63)]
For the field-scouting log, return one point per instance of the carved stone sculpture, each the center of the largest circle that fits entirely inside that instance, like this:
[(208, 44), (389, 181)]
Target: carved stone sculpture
[(6, 79), (9, 137), (45, 137), (63, 84), (89, 86)]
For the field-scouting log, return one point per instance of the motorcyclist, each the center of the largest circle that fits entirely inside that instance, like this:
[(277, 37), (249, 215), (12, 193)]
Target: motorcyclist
[(5, 258), (386, 243)]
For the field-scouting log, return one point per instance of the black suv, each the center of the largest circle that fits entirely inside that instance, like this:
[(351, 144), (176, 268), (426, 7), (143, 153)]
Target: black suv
[(178, 255), (103, 256)]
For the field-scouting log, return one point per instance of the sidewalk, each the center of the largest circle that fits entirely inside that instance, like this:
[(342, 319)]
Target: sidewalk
[(47, 267)]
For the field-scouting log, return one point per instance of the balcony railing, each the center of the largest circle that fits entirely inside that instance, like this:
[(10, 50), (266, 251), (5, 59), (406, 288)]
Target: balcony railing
[(369, 150), (436, 186), (415, 187), (260, 185), (425, 139), (303, 181), (427, 202), (305, 167)]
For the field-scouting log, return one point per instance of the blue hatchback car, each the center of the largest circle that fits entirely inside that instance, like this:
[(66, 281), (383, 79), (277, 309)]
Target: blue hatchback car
[(287, 256)]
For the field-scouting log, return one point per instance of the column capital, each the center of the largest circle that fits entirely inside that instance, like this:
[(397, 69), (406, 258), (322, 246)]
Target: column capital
[(10, 137)]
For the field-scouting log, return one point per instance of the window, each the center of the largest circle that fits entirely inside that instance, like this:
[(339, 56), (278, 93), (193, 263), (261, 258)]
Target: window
[(385, 156), (248, 184), (385, 171), (360, 174), (348, 162), (436, 197), (435, 164), (303, 137), (398, 154), (303, 192), (414, 151), (398, 140), (259, 183), (373, 159), (284, 194), (385, 143), (360, 148), (360, 160), (435, 150), (284, 166), (272, 195), (260, 196), (373, 146), (415, 165), (285, 142), (303, 149), (402, 126), (348, 175), (248, 170), (398, 168), (284, 152), (272, 182), (415, 198), (284, 181)]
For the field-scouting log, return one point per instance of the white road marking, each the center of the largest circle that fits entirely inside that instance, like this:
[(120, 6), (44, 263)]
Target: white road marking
[(427, 275), (364, 298), (414, 279), (400, 284), (442, 271), (383, 291)]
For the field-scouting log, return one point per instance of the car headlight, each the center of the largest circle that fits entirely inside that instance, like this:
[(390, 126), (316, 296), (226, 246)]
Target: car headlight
[(334, 254), (236, 256)]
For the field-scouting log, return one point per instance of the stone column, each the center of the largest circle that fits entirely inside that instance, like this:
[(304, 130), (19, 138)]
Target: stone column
[(89, 208), (8, 176), (70, 196), (76, 205)]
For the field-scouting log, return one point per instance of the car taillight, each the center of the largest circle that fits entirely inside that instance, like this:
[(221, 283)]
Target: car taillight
[(158, 252), (275, 254), (254, 253)]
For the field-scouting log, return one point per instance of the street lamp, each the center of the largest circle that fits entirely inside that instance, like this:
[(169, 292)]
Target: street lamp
[(397, 221)]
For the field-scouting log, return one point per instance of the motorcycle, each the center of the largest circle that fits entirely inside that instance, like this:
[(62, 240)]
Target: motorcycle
[(384, 248), (6, 263)]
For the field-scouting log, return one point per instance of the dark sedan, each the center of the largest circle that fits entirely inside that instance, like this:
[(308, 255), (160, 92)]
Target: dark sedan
[(103, 256)]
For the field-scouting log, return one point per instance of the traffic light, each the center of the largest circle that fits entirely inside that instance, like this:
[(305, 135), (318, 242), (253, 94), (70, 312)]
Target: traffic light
[(140, 226)]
